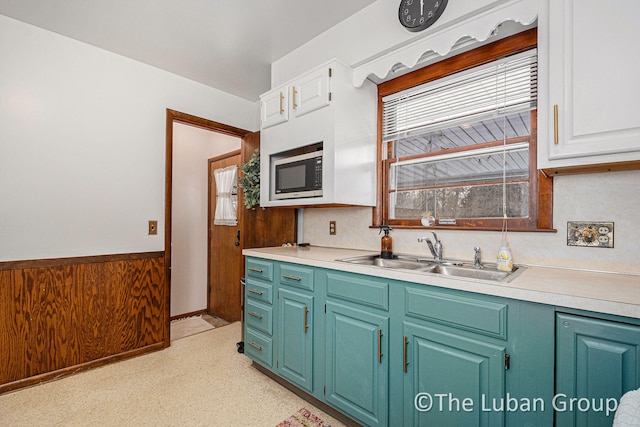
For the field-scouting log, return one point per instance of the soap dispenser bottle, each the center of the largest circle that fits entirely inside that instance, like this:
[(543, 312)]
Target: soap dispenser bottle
[(504, 261), (386, 243)]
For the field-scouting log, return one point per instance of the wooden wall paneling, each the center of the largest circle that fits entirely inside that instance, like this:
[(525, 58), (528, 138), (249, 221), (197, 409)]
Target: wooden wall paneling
[(13, 329), (265, 227), (61, 316)]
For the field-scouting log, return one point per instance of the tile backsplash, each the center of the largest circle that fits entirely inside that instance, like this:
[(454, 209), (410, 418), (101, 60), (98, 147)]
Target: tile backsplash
[(605, 197)]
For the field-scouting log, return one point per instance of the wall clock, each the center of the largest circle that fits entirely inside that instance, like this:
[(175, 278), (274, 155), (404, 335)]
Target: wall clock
[(418, 15)]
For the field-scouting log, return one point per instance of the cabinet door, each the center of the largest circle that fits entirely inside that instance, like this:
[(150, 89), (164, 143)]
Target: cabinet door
[(295, 338), (596, 360), (593, 80), (274, 107), (442, 370), (357, 363), (310, 92)]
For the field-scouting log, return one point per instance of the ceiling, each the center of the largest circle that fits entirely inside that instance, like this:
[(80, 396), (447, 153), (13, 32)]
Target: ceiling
[(228, 45)]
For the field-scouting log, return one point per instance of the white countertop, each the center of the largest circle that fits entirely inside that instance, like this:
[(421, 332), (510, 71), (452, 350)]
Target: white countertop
[(601, 292)]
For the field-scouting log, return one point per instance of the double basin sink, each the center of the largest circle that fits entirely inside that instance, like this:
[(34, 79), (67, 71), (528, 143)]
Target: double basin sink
[(445, 267)]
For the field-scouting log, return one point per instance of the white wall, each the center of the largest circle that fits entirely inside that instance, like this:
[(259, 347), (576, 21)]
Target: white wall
[(599, 197), (82, 144), (368, 33), (192, 147)]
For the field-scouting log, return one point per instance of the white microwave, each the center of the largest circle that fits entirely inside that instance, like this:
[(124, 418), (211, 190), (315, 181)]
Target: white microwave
[(298, 176)]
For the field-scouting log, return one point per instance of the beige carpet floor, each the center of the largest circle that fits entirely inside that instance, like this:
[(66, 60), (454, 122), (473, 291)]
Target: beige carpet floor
[(201, 380)]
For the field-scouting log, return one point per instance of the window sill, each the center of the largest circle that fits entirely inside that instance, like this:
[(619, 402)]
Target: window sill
[(466, 228)]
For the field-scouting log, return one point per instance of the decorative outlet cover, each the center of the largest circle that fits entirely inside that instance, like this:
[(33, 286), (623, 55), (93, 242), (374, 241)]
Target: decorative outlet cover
[(591, 234)]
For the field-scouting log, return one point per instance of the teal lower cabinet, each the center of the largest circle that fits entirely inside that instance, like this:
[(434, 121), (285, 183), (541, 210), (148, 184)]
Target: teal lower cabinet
[(453, 380), (392, 353), (258, 312), (295, 338), (470, 360), (357, 363), (597, 361)]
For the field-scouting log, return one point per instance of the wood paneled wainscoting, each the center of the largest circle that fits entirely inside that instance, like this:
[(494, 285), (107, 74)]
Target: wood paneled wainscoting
[(60, 316)]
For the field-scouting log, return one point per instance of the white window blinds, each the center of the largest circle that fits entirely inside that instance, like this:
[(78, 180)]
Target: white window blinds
[(501, 87)]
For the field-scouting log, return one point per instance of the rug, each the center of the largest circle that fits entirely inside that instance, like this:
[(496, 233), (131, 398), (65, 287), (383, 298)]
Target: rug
[(191, 325), (303, 418)]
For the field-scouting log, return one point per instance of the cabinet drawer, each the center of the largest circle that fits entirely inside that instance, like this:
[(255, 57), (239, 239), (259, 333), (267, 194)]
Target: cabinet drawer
[(367, 291), (259, 291), (484, 317), (258, 347), (296, 276), (259, 316), (260, 269)]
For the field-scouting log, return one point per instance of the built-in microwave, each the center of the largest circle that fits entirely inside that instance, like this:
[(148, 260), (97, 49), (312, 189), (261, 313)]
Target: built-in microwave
[(298, 176)]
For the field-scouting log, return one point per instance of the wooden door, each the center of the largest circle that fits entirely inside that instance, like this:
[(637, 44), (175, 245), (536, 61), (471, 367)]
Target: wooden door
[(225, 253)]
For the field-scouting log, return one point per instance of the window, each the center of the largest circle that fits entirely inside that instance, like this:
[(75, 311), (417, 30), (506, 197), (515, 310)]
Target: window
[(458, 139)]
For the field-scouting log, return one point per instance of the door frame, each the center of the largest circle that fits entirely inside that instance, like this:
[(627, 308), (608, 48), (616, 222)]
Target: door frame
[(188, 119)]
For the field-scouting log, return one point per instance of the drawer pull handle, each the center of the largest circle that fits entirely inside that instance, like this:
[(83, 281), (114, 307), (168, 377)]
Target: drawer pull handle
[(295, 92), (305, 326), (256, 346), (555, 124), (379, 345), (404, 354), (281, 106), (253, 291), (286, 276), (256, 315), (257, 270)]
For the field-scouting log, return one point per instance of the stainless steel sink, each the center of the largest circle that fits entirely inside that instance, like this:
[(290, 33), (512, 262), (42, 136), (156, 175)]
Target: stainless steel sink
[(446, 268), (485, 273), (400, 262)]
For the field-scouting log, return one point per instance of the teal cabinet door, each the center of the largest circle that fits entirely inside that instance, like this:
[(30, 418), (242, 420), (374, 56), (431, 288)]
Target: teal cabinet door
[(357, 363), (451, 380), (596, 361), (295, 338)]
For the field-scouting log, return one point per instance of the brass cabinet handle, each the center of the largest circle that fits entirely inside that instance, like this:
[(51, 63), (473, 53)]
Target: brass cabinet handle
[(286, 276), (295, 105), (379, 345), (281, 99), (555, 124), (256, 315), (257, 270), (253, 291), (305, 326), (256, 346), (404, 354)]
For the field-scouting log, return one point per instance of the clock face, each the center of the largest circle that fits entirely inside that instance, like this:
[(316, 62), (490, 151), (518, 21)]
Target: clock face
[(417, 15)]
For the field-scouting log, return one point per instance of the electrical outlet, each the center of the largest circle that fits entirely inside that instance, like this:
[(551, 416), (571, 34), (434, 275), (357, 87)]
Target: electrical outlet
[(332, 228), (590, 234), (153, 227)]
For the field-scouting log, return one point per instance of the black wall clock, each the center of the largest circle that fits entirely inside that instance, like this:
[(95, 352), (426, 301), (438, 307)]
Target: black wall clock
[(418, 15)]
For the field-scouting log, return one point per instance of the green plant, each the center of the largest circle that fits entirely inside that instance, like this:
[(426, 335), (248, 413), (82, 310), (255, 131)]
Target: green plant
[(250, 181)]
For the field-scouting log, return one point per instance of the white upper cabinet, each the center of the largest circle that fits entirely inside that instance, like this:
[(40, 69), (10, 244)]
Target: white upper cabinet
[(274, 107), (594, 84), (311, 91), (303, 95), (322, 108)]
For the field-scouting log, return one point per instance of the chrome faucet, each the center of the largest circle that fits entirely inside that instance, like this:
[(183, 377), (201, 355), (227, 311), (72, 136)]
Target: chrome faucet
[(477, 258), (436, 249)]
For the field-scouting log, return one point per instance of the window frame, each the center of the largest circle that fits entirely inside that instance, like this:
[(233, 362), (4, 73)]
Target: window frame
[(540, 186)]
